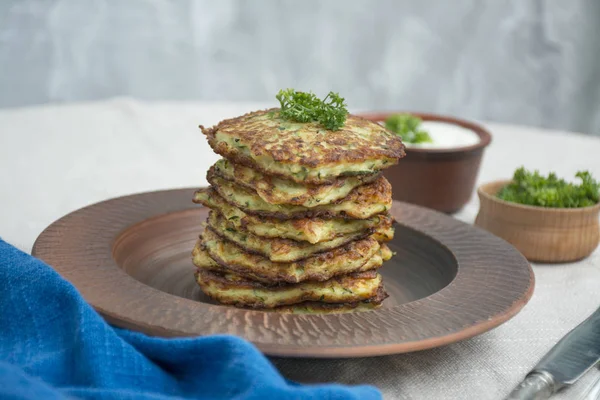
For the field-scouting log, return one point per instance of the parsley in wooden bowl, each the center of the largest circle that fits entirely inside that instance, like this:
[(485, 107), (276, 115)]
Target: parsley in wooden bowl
[(546, 218)]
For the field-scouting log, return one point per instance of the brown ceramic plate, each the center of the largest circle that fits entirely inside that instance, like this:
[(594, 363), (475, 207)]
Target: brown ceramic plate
[(130, 258)]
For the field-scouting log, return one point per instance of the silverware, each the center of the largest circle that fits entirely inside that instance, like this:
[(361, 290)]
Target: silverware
[(593, 393), (566, 362)]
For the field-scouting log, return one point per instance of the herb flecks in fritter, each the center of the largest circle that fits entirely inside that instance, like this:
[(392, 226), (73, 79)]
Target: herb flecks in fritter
[(299, 208), (301, 152)]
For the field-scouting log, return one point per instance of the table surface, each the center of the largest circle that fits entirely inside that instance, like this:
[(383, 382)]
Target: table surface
[(58, 158)]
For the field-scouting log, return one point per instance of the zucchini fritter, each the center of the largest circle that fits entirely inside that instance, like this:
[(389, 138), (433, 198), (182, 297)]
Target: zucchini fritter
[(312, 230), (275, 249), (305, 152), (362, 202), (276, 190), (360, 255), (235, 290)]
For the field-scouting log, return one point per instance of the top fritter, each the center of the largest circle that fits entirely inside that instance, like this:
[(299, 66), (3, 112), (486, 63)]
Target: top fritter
[(305, 152)]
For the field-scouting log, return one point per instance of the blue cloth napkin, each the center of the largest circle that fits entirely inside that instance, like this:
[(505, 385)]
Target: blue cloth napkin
[(53, 345)]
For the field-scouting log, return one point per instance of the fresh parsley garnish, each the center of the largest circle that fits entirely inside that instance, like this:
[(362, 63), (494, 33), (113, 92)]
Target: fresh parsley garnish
[(531, 188), (298, 106), (407, 126)]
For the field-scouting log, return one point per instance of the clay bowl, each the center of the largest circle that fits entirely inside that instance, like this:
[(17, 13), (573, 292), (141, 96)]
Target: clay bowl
[(441, 179), (541, 234)]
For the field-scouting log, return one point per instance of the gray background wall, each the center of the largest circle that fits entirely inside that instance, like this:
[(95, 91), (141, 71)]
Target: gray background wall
[(533, 62)]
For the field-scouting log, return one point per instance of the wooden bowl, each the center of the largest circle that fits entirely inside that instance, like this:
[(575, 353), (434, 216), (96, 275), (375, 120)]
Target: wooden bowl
[(541, 234), (441, 179)]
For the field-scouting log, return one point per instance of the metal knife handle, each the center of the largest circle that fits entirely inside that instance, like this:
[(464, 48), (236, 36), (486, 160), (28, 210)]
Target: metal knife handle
[(536, 386)]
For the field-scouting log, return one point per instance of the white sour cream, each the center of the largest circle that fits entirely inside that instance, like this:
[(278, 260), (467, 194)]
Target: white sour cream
[(445, 136)]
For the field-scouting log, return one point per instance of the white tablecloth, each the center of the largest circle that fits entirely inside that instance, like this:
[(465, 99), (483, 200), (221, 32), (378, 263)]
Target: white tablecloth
[(55, 159)]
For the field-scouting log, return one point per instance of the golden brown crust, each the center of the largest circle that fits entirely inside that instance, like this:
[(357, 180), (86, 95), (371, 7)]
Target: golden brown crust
[(312, 230), (276, 249), (273, 189), (203, 260), (362, 202), (240, 281), (315, 307), (233, 290), (355, 256), (230, 267), (265, 138)]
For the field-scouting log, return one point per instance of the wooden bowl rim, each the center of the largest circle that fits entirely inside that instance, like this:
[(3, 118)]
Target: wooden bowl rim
[(485, 138), (483, 192)]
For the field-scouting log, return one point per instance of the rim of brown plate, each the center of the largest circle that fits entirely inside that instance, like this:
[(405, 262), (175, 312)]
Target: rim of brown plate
[(485, 138), (493, 283)]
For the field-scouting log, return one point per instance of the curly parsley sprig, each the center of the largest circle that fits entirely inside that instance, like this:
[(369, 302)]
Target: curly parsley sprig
[(298, 106), (531, 188)]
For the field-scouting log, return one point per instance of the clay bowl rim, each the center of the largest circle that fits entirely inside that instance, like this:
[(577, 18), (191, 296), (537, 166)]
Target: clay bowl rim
[(484, 191), (485, 137)]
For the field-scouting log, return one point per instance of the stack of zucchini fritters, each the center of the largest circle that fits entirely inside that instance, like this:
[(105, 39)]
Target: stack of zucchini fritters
[(299, 214)]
